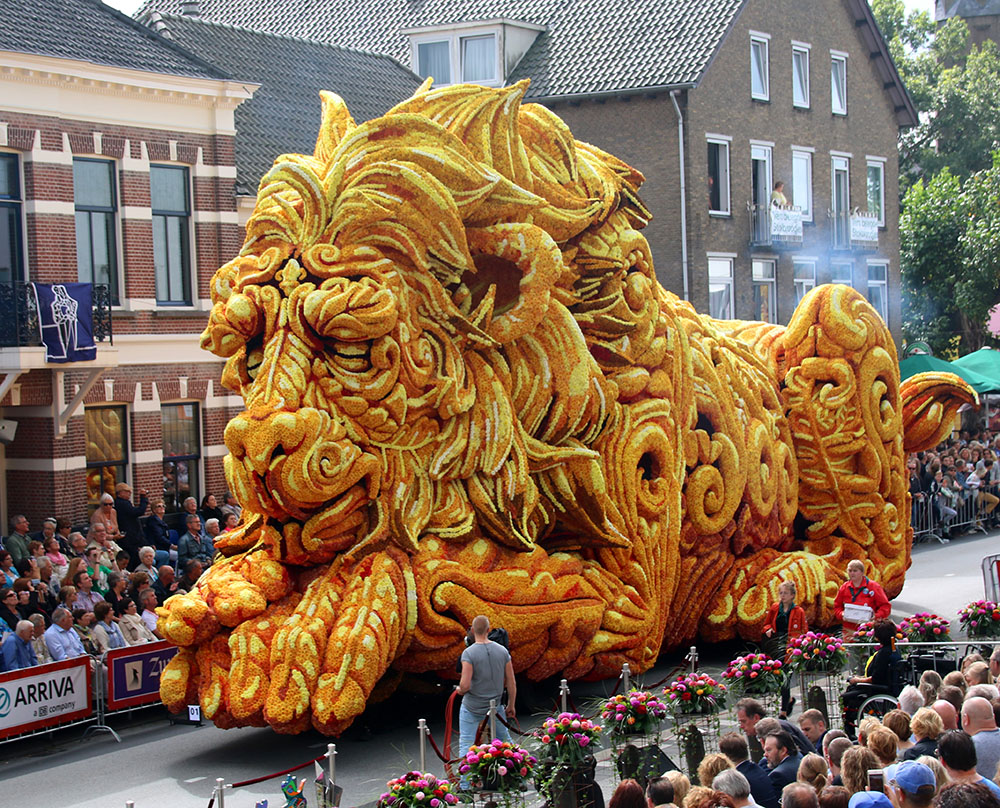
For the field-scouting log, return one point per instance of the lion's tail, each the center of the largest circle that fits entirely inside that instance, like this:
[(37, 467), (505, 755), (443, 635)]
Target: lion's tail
[(930, 403)]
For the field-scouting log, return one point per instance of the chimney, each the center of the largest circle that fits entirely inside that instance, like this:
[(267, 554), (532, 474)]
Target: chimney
[(191, 8)]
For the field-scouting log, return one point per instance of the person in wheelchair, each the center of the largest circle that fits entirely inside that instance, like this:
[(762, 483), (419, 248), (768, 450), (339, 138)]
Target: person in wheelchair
[(882, 675)]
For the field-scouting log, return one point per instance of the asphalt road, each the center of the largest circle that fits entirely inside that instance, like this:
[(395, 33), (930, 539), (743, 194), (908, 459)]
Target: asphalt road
[(159, 765)]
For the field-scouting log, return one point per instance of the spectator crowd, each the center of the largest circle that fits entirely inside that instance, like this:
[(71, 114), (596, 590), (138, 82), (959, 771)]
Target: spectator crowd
[(67, 591)]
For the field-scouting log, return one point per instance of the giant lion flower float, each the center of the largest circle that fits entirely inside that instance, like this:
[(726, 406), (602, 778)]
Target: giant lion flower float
[(467, 393)]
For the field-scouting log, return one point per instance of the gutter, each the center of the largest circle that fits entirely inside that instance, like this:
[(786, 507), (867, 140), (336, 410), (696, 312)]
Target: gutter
[(570, 97), (680, 162)]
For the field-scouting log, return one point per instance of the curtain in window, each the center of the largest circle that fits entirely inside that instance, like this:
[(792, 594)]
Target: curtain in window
[(720, 301), (434, 61), (479, 55)]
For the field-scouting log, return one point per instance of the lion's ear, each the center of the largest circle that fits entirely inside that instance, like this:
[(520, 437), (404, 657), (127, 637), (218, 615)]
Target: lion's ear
[(516, 266), (336, 124)]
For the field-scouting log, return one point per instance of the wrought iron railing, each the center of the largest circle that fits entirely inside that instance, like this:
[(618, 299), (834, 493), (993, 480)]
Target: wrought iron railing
[(19, 315), (772, 226)]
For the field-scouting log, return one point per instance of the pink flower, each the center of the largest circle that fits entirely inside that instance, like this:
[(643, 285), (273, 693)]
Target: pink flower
[(502, 770)]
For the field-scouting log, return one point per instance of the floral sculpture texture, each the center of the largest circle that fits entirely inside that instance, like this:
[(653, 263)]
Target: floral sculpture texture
[(467, 393)]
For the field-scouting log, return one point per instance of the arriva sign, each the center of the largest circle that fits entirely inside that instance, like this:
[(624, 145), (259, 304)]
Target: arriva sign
[(44, 695)]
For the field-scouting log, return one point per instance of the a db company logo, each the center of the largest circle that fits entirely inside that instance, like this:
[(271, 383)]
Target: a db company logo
[(4, 702)]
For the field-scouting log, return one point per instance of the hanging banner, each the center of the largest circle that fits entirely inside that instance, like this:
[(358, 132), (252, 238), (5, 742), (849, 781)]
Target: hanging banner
[(66, 321), (45, 695), (134, 673)]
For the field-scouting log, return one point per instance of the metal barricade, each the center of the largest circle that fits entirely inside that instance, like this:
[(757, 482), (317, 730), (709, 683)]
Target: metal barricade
[(991, 577)]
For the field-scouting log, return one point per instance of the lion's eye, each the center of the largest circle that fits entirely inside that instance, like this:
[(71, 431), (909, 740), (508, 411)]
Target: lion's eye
[(255, 355)]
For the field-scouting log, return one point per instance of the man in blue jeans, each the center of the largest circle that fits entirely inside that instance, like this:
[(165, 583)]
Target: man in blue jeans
[(486, 669)]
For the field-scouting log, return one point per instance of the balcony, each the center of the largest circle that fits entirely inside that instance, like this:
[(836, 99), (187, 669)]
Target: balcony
[(853, 230), (774, 226), (19, 315)]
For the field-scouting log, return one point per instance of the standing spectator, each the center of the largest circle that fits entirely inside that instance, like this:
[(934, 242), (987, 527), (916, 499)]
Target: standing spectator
[(834, 797), (782, 759), (148, 601), (856, 762), (882, 742), (133, 629), (712, 764), (17, 650), (899, 722), (813, 772), (958, 756), (927, 727), (659, 793), (17, 542), (128, 519), (158, 534), (194, 544), (86, 596), (977, 673), (785, 621), (912, 785), (813, 726), (210, 510), (681, 784), (734, 746), (62, 641), (995, 663), (979, 724), (965, 795), (629, 794), (107, 635), (799, 795), (750, 712), (42, 653), (165, 585), (835, 758), (486, 669), (231, 506), (147, 563), (106, 515), (860, 590), (734, 784)]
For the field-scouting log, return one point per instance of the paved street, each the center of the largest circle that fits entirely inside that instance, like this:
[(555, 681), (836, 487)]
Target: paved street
[(162, 765)]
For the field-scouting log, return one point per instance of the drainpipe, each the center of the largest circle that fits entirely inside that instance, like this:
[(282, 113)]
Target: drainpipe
[(680, 162)]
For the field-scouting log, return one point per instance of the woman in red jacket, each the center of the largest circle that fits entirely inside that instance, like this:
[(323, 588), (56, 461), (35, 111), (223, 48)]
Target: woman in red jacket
[(784, 620), (859, 589)]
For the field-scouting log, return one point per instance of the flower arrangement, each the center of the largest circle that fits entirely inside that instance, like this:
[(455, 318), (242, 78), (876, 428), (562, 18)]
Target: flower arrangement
[(925, 627), (695, 693), (497, 766), (981, 618), (755, 673), (568, 737), (814, 651), (866, 633), (417, 790), (637, 712)]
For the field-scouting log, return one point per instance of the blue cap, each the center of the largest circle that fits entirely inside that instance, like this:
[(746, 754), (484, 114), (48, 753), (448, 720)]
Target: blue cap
[(869, 799), (910, 775)]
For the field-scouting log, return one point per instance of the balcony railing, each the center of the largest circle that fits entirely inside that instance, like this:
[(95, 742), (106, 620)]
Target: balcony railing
[(774, 226), (853, 229), (19, 315)]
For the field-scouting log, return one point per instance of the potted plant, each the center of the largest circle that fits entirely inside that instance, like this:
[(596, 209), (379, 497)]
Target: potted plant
[(695, 694), (417, 790), (981, 618), (637, 712), (497, 766), (566, 769), (925, 627), (814, 651), (755, 674)]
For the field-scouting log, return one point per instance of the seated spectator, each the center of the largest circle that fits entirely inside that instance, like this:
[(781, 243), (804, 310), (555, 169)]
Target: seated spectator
[(882, 742), (165, 585), (149, 604), (712, 764), (67, 597), (158, 535), (194, 544), (97, 571), (957, 753), (734, 747), (899, 722), (63, 642), (855, 765), (77, 546), (83, 621), (230, 506), (210, 510), (834, 797), (965, 795), (17, 651), (106, 633), (231, 523), (147, 563), (212, 530), (133, 629), (17, 542), (38, 638), (813, 772), (64, 529), (60, 564), (7, 572), (979, 724), (8, 608), (116, 593), (86, 596), (98, 537), (834, 758), (192, 572), (138, 584), (35, 549), (731, 782), (122, 560), (927, 727), (106, 516)]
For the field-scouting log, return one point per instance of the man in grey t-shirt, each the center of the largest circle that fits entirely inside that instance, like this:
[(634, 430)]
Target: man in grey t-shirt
[(978, 721), (486, 669)]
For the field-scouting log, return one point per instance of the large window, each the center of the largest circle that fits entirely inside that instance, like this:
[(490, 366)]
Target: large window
[(876, 189), (838, 82), (718, 175), (878, 284), (800, 75), (720, 286), (805, 277), (479, 57), (760, 81), (181, 454), (802, 181), (95, 198), (434, 61), (168, 186), (842, 272), (11, 229), (106, 434), (459, 58), (840, 200), (763, 291)]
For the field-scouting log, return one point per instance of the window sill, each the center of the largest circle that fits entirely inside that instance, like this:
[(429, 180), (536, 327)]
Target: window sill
[(760, 99), (720, 214), (802, 107)]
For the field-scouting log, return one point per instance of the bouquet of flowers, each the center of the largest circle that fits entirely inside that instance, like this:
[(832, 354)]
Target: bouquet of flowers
[(416, 790), (813, 651), (637, 712), (925, 627), (755, 673), (866, 633), (695, 693), (568, 737), (497, 766), (980, 618)]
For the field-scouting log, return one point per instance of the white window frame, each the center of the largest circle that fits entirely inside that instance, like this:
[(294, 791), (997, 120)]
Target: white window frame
[(763, 150), (879, 163), (454, 39), (22, 218), (768, 284), (763, 41), (838, 57), (804, 49), (882, 284), (839, 161), (726, 187), (729, 259), (802, 286), (849, 265), (804, 155)]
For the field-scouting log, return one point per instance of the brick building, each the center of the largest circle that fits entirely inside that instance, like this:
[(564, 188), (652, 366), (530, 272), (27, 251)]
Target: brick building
[(741, 93), (120, 166), (982, 17)]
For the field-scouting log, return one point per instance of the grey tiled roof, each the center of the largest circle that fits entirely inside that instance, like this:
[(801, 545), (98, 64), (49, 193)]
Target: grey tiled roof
[(284, 113), (89, 31), (588, 46)]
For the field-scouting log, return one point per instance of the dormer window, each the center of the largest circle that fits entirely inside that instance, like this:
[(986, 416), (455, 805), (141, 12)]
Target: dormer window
[(478, 53)]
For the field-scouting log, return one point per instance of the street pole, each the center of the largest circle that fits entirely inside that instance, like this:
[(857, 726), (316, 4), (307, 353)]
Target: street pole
[(563, 693), (422, 729)]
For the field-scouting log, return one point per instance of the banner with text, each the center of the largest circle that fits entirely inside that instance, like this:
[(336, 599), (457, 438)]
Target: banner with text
[(134, 673), (45, 695)]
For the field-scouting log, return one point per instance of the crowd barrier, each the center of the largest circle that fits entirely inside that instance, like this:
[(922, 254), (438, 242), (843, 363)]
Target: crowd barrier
[(931, 522), (66, 693)]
